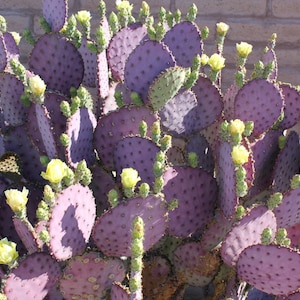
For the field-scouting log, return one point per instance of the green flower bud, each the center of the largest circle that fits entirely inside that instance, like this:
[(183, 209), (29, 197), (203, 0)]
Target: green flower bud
[(274, 200), (192, 13), (239, 78), (44, 160), (44, 236), (69, 179), (160, 31), (135, 284), (144, 12), (75, 105), (281, 235), (143, 127), (170, 19), (158, 184), (113, 197), (64, 139), (65, 109), (177, 16), (101, 39), (144, 190), (161, 157), (42, 212), (173, 204), (101, 9), (240, 173), (166, 142), (114, 23), (162, 15), (193, 159), (137, 247), (158, 168), (249, 126), (48, 194), (92, 47), (266, 236), (18, 69), (136, 264), (83, 173), (295, 182), (156, 131), (204, 33), (241, 189), (240, 211)]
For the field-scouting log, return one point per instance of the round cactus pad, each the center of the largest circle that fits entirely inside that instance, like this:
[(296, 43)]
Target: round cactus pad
[(89, 276), (55, 12), (119, 292), (270, 268), (196, 192), (116, 125), (71, 222), (54, 54), (144, 64), (111, 232), (247, 232), (260, 101), (121, 45), (33, 278), (184, 40)]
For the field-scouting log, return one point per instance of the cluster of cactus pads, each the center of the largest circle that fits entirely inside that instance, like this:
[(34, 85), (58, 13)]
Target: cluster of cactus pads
[(211, 202)]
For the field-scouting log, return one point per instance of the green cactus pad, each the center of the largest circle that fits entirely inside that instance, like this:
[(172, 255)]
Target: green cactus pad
[(166, 86)]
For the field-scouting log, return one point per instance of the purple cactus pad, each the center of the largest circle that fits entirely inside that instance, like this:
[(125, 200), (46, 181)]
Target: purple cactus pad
[(144, 64), (55, 13), (3, 54), (111, 232), (90, 276), (260, 101), (33, 278), (121, 45), (119, 292), (71, 222), (196, 192), (247, 233), (270, 268), (184, 40), (116, 125), (80, 130), (54, 54)]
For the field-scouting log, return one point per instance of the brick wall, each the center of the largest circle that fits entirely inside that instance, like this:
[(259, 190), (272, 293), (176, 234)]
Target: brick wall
[(251, 21)]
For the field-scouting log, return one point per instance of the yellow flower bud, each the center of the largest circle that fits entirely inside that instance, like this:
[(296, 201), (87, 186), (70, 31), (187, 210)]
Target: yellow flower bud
[(216, 62), (239, 154), (129, 178), (243, 49), (37, 85), (56, 171), (16, 37), (8, 252), (204, 59), (222, 28), (83, 16), (16, 200), (237, 126)]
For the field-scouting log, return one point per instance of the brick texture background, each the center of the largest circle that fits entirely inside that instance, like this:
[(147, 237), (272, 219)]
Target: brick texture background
[(250, 21)]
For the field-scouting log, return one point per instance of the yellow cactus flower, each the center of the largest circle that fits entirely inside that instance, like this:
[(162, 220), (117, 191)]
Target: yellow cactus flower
[(56, 171), (222, 28), (129, 178), (237, 126), (83, 16), (216, 62), (37, 85), (239, 154), (244, 49), (123, 5), (8, 252), (16, 199)]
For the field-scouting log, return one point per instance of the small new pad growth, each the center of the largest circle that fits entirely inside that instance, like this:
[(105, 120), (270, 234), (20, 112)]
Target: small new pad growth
[(240, 212), (281, 237), (295, 182), (113, 197)]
